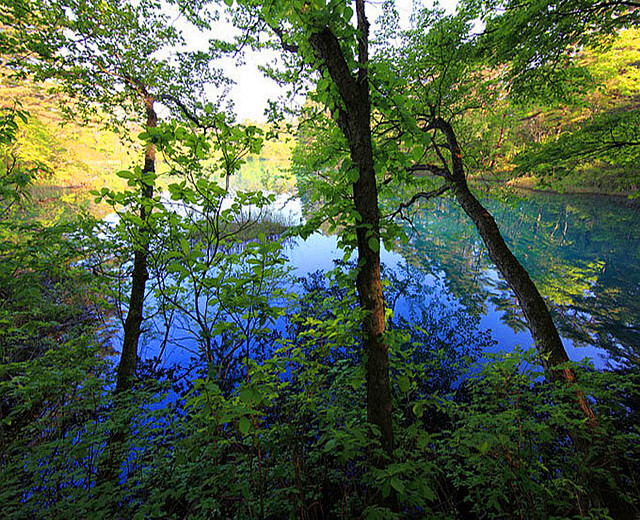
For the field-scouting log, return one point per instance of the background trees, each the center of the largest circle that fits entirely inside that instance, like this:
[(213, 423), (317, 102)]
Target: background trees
[(289, 420), (593, 138)]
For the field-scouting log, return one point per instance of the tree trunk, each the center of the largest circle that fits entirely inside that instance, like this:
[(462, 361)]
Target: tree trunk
[(369, 286), (544, 332), (114, 449), (133, 322), (354, 121)]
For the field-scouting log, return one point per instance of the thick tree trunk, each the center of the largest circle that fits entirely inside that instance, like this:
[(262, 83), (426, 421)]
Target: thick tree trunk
[(133, 322), (354, 121), (368, 281), (543, 330)]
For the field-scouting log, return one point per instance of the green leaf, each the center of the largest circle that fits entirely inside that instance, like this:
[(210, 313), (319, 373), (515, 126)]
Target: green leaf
[(353, 175), (397, 484), (244, 424), (184, 245), (374, 244), (484, 447), (125, 174)]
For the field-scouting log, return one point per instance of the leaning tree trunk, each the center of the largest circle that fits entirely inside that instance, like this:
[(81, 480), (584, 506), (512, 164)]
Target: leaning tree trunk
[(133, 322), (545, 335), (354, 121)]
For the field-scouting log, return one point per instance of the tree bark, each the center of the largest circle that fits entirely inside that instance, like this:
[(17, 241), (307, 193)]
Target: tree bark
[(354, 121), (545, 335), (133, 322)]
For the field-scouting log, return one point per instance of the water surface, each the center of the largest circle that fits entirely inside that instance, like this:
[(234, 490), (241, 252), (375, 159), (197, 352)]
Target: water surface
[(583, 253)]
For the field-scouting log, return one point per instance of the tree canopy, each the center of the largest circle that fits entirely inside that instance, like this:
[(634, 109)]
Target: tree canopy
[(353, 393)]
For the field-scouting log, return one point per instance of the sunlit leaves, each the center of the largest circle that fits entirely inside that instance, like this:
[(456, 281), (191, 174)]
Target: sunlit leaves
[(17, 173)]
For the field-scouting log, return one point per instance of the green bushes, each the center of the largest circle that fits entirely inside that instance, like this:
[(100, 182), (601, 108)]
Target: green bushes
[(519, 447), (295, 446), (290, 439)]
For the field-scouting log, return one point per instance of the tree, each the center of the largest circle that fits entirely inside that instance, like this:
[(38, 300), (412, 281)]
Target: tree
[(336, 56), (441, 75), (422, 88), (105, 56), (211, 266)]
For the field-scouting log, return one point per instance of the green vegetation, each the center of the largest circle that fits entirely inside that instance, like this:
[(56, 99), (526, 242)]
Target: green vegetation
[(591, 144), (313, 397), (77, 158), (270, 168), (293, 439)]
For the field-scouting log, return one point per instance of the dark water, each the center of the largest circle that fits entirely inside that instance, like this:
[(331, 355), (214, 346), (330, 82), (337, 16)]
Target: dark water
[(583, 253)]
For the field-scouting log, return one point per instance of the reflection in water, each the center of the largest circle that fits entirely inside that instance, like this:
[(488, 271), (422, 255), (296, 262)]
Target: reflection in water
[(583, 253)]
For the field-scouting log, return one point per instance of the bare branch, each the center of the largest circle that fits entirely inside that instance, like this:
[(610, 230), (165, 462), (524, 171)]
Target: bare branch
[(424, 195)]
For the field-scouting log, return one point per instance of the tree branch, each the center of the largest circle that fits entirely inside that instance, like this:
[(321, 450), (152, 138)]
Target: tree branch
[(185, 110), (425, 195), (363, 41), (428, 168), (327, 47), (287, 46)]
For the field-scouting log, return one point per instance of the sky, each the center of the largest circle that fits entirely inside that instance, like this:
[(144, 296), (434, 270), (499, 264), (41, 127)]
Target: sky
[(252, 91)]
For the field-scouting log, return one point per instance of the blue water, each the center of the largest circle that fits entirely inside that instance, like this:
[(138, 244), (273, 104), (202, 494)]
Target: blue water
[(582, 252), (318, 252)]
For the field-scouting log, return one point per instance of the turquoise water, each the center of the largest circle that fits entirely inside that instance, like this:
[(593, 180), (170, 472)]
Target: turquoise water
[(583, 253)]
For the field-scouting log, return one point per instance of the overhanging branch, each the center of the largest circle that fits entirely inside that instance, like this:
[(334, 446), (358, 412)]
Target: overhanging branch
[(423, 195), (428, 168), (185, 111)]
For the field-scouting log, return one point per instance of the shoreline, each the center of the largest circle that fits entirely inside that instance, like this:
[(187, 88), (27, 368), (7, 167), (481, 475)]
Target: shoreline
[(529, 184)]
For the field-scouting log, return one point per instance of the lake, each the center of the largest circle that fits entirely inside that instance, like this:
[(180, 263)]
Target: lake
[(583, 253)]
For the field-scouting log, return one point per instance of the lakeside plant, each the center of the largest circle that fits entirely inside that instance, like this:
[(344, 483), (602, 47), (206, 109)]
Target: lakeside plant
[(289, 437), (349, 394)]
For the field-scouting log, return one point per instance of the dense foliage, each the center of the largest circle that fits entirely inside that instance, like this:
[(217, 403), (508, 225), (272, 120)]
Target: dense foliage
[(292, 441), (271, 416)]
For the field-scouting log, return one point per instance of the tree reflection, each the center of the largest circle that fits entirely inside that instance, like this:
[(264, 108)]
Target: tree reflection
[(583, 253)]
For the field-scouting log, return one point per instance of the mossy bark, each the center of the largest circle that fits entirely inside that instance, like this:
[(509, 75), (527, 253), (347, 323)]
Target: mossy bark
[(552, 353), (354, 121)]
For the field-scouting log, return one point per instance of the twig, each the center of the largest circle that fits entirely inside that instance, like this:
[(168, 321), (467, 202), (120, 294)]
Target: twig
[(426, 195)]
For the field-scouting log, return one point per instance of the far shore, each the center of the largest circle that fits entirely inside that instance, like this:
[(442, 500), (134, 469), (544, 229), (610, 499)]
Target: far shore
[(530, 183)]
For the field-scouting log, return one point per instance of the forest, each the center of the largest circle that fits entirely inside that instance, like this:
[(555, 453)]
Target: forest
[(411, 290)]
